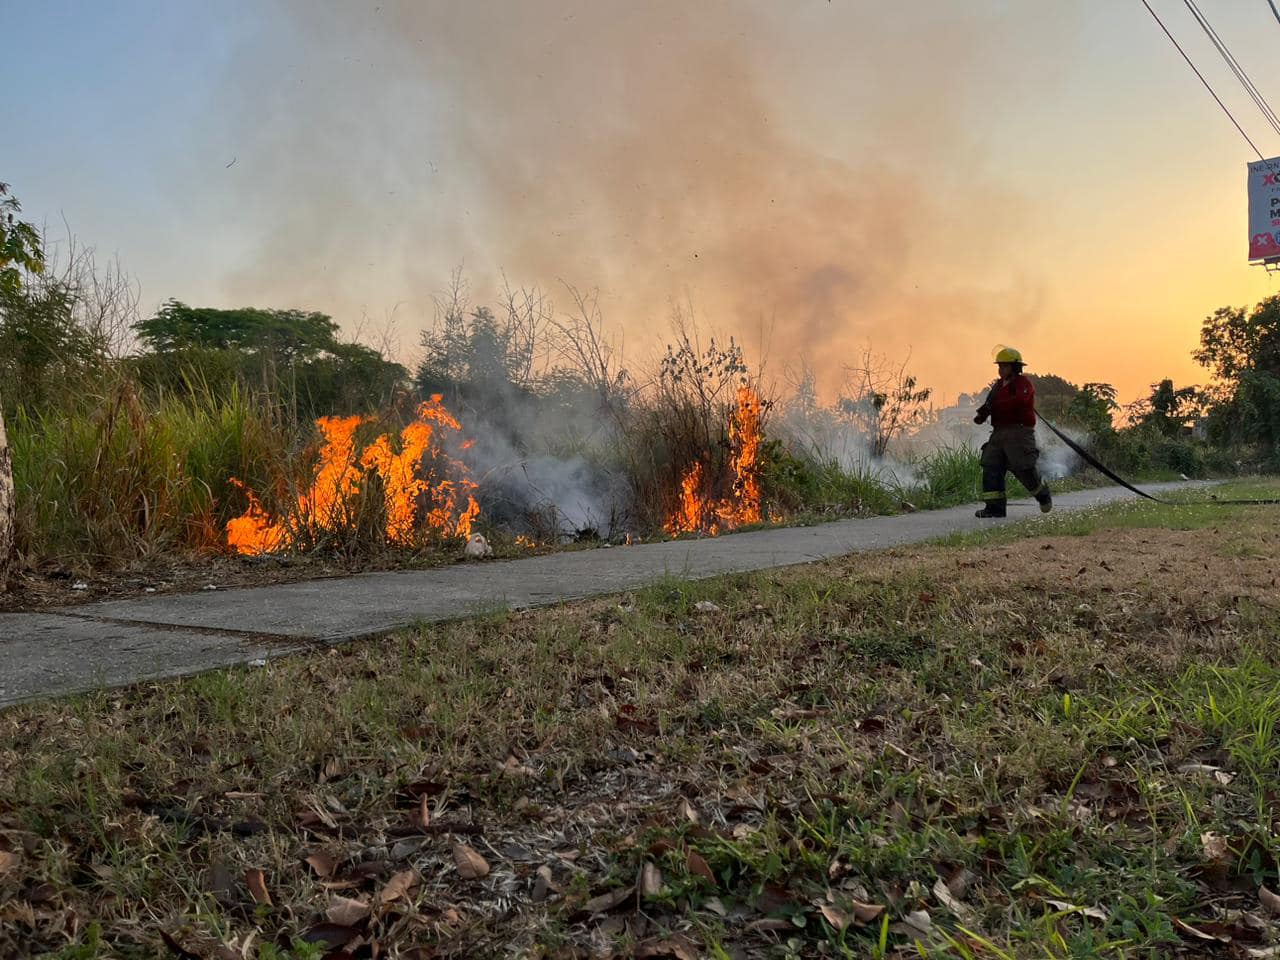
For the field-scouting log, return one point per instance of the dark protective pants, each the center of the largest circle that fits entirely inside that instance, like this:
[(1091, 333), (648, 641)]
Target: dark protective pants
[(1010, 450)]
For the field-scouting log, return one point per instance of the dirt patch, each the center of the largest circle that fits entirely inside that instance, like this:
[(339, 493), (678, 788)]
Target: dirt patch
[(1185, 564)]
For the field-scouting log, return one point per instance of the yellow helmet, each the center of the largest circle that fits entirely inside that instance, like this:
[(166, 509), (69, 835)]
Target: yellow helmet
[(1008, 355)]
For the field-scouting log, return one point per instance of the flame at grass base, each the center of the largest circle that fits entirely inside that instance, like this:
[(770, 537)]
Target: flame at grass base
[(419, 472), (697, 512)]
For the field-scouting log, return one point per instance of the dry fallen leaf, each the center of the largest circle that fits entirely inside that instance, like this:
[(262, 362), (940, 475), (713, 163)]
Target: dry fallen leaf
[(346, 912), (399, 884), (471, 866), (960, 881), (1198, 934), (961, 911), (424, 812), (865, 912), (7, 861), (322, 863), (1214, 847), (543, 884), (698, 867), (1269, 900), (835, 916), (607, 901), (256, 881), (332, 935), (774, 924), (917, 925), (650, 880), (677, 945), (688, 812), (1093, 913)]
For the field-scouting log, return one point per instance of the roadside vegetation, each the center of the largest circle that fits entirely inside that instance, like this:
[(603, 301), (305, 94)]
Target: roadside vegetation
[(1059, 741), (137, 438)]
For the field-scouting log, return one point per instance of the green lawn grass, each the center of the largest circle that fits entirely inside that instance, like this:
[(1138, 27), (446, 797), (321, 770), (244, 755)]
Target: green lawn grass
[(1058, 740)]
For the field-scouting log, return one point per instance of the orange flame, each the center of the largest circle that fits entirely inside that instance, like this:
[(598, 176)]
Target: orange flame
[(253, 531), (325, 505), (408, 476), (696, 512), (745, 439)]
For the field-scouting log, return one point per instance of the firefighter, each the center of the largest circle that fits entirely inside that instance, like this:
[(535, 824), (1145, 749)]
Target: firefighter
[(1011, 405)]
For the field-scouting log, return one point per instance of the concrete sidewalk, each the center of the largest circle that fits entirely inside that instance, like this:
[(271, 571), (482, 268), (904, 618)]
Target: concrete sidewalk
[(118, 642)]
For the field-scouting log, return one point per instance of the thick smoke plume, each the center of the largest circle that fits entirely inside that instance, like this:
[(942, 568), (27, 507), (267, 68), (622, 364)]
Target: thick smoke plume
[(792, 169)]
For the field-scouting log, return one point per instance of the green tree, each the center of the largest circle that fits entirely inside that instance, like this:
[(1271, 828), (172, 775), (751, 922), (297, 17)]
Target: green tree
[(1168, 409), (1053, 394), (20, 249), (883, 401), (293, 355), (476, 350), (286, 335), (1235, 341), (1241, 350), (20, 255), (1094, 407)]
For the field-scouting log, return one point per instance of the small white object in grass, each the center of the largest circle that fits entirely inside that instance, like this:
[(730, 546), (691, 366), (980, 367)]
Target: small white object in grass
[(209, 586), (79, 585), (150, 590), (260, 662), (706, 606), (477, 547)]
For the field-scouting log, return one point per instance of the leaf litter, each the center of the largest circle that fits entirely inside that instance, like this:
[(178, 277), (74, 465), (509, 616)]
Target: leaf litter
[(623, 831)]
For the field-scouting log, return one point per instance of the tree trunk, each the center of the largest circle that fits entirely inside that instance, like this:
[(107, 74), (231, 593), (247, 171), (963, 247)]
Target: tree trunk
[(7, 509)]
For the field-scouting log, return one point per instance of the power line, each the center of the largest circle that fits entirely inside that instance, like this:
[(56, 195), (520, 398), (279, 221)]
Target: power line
[(1250, 87), (1274, 9), (1239, 128), (1229, 58)]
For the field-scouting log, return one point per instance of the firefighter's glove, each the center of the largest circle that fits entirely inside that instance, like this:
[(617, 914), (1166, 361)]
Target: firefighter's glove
[(979, 417)]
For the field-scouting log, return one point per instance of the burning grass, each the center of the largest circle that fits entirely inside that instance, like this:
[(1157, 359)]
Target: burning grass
[(425, 491), (1055, 747), (697, 511)]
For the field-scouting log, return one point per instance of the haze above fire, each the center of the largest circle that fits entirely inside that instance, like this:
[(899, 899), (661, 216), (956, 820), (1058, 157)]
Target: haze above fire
[(811, 176)]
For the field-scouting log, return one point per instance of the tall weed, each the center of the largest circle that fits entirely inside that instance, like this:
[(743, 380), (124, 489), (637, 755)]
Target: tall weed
[(111, 476)]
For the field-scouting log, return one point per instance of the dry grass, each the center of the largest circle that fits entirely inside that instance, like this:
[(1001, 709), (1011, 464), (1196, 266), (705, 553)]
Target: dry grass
[(1049, 726)]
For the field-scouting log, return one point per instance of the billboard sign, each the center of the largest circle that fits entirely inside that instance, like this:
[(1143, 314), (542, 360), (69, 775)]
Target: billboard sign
[(1264, 209)]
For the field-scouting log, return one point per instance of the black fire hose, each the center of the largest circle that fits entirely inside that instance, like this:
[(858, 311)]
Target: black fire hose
[(1107, 472)]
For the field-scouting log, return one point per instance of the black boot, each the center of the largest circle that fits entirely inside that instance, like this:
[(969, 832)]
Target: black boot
[(995, 509), (1045, 499)]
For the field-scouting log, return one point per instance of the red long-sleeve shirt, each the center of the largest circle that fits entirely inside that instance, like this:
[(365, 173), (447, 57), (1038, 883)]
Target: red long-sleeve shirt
[(1012, 403)]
